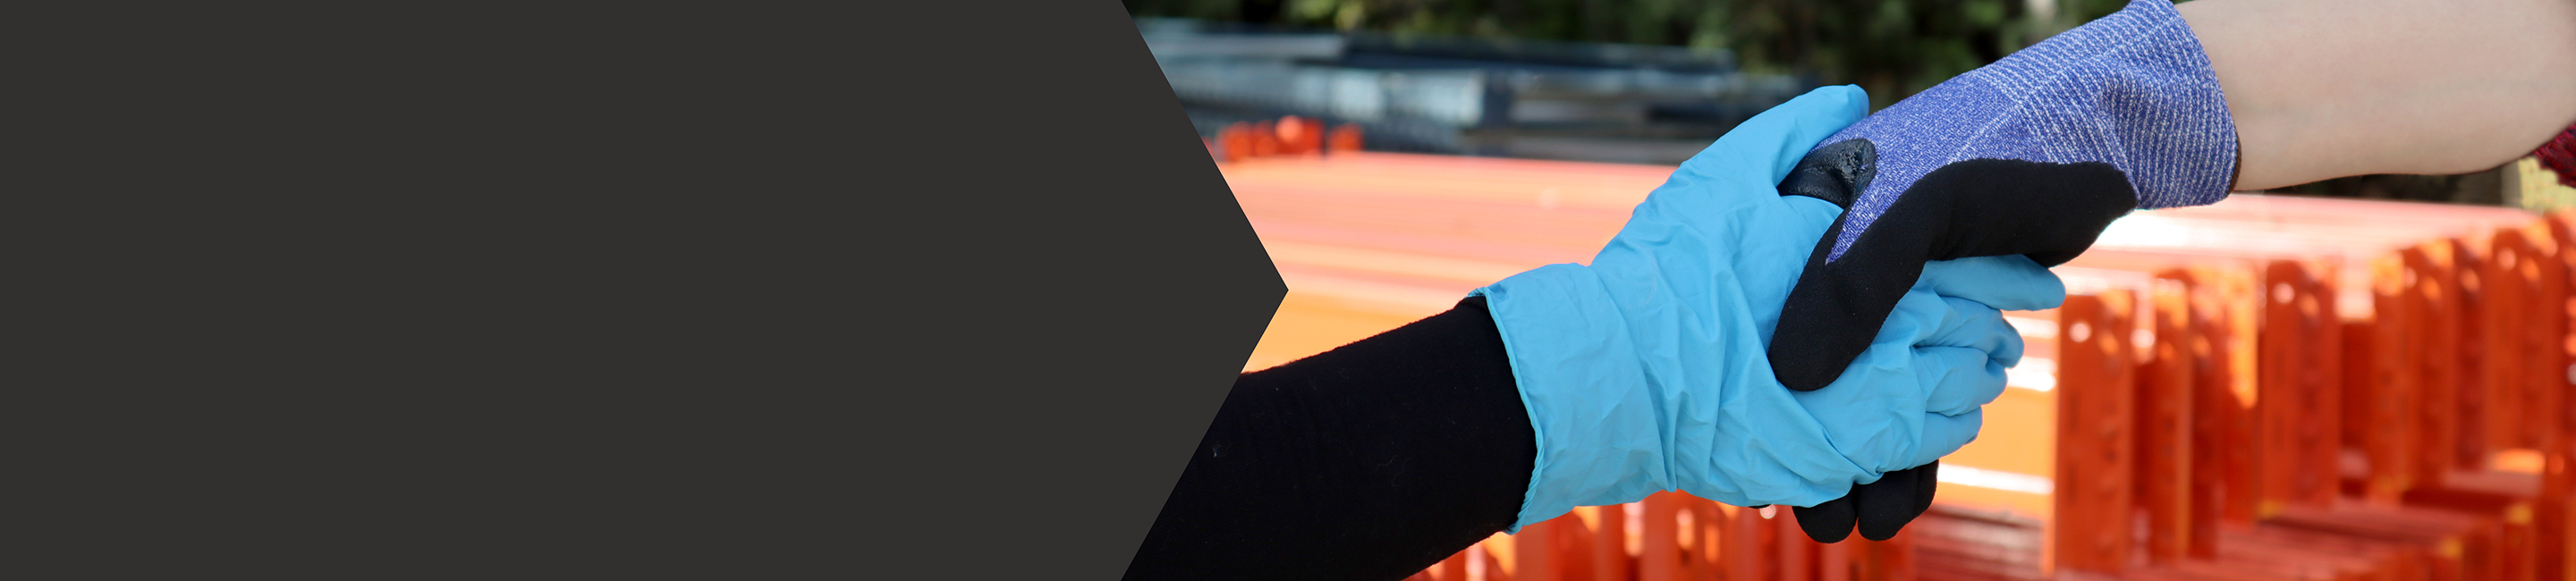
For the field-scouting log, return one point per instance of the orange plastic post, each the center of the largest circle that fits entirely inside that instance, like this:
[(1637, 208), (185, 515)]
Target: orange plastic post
[(1608, 550), (1453, 568), (2165, 386), (2543, 326), (1300, 136), (1742, 552), (2557, 530), (2096, 438), (2549, 353), (2387, 426), (2320, 378), (1534, 551), (1705, 561), (2500, 286), (2547, 424), (1291, 132), (1888, 560), (2506, 278), (1554, 550), (1659, 556), (2434, 294), (1265, 139), (2559, 560), (2234, 381), (2216, 352), (1236, 140), (1796, 559), (1833, 562), (2467, 424), (2360, 382), (1574, 543), (1316, 133), (2550, 426), (2299, 411), (1344, 138)]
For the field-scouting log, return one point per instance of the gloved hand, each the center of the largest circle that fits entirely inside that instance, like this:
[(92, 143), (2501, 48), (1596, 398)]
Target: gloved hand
[(2033, 155), (1643, 372)]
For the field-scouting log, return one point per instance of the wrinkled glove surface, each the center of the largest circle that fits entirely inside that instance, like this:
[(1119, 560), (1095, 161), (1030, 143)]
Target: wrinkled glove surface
[(1644, 371)]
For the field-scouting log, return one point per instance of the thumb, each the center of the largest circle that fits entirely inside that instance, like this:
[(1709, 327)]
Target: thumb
[(2049, 212), (2007, 283)]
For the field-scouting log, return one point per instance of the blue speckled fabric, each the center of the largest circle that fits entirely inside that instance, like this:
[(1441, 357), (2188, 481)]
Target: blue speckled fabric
[(2132, 89)]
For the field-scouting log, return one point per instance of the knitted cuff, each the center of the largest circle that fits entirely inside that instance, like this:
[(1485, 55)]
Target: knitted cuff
[(2132, 89)]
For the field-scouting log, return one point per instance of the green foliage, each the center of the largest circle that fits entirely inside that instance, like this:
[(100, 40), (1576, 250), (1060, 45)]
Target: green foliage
[(1893, 48)]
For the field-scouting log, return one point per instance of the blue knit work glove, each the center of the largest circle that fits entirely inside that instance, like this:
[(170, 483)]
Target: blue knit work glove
[(2033, 155)]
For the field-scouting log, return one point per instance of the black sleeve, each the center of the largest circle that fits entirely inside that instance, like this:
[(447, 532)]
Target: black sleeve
[(1368, 462)]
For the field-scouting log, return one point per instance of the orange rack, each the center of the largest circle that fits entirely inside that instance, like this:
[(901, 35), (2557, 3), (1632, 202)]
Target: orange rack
[(2266, 388)]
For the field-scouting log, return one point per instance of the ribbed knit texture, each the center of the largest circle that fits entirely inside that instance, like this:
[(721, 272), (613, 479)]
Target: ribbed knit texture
[(2132, 89)]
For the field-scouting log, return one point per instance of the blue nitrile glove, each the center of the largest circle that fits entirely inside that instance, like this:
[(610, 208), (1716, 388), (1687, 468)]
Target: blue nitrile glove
[(2032, 155), (1644, 372)]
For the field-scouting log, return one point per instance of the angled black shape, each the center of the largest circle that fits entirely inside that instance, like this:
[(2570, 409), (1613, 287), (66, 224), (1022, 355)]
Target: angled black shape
[(1884, 507)]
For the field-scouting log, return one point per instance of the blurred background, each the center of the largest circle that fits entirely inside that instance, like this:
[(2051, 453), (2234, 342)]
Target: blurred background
[(1639, 81)]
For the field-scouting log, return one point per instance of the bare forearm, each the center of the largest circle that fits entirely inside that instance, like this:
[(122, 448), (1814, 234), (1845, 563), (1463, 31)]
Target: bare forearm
[(2330, 88)]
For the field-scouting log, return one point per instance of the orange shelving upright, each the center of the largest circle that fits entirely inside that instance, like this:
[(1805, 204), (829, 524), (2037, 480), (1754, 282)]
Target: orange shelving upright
[(2293, 339), (2096, 433)]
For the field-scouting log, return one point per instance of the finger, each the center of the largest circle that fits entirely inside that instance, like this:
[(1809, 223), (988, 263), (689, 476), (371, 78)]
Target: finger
[(1829, 522), (1928, 487), (1877, 422), (2012, 283), (1836, 309), (1882, 508), (1967, 323), (1962, 379), (1984, 207), (1943, 435)]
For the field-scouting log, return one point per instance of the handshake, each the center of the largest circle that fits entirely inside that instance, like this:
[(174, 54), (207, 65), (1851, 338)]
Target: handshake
[(1806, 313)]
